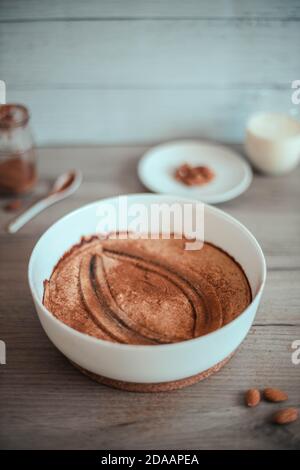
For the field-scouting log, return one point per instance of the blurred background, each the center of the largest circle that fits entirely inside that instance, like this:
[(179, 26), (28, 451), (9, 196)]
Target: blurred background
[(104, 81), (132, 71)]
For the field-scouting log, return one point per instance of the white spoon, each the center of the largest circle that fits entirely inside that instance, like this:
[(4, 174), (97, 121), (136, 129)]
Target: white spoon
[(65, 185)]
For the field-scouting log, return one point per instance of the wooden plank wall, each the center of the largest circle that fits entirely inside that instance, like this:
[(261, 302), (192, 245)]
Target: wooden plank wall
[(131, 71)]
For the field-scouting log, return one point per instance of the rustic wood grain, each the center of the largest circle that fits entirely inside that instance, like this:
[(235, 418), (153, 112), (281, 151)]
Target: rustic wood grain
[(46, 403), (90, 116), (139, 71), (149, 54), (17, 10)]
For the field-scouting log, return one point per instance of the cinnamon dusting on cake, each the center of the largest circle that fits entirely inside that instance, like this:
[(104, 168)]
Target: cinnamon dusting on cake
[(145, 291)]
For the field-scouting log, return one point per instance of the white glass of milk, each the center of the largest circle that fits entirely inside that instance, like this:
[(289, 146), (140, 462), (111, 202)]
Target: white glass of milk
[(273, 142)]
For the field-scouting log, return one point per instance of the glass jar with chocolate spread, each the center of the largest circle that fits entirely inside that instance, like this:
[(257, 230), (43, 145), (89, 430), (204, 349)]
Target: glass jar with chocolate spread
[(17, 154)]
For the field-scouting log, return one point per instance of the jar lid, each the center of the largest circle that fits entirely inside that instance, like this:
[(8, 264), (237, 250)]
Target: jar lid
[(13, 115)]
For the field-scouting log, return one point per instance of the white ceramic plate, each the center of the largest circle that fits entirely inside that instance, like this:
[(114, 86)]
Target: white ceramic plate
[(233, 174)]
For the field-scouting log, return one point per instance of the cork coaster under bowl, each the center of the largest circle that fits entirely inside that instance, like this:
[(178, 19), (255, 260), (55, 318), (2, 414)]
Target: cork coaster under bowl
[(154, 387)]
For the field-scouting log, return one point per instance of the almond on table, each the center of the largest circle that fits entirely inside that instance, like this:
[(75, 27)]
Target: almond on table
[(274, 395), (285, 416), (252, 397)]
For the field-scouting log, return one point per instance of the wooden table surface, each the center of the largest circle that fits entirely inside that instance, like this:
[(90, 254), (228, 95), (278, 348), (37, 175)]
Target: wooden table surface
[(46, 403)]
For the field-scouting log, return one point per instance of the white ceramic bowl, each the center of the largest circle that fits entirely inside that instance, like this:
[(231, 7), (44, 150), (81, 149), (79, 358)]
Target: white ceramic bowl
[(138, 363)]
